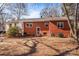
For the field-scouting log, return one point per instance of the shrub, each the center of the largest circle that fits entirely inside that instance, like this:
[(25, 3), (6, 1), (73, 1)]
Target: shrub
[(52, 34), (13, 31), (60, 35)]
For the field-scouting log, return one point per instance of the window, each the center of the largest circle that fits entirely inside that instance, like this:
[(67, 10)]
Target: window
[(29, 25), (60, 24), (46, 24), (44, 33)]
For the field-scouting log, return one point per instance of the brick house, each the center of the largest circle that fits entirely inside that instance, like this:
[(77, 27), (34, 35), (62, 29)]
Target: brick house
[(43, 26)]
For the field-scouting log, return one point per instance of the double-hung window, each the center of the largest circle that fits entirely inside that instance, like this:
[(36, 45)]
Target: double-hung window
[(29, 25), (60, 24)]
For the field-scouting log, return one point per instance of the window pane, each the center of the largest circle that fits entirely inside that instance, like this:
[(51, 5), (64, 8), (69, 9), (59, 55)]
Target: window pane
[(60, 24)]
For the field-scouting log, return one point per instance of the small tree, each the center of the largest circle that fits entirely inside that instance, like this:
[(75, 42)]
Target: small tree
[(13, 32)]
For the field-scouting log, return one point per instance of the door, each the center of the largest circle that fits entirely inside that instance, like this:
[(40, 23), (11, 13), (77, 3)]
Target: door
[(38, 31)]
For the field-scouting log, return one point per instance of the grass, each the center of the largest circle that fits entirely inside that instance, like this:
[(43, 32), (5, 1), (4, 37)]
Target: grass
[(13, 47), (41, 46)]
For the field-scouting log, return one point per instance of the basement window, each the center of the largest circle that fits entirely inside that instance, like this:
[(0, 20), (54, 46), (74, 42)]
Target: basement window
[(60, 25), (44, 33), (46, 24), (29, 25)]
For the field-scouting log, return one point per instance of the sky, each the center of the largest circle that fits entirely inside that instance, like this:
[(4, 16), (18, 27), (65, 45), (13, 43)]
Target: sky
[(35, 8)]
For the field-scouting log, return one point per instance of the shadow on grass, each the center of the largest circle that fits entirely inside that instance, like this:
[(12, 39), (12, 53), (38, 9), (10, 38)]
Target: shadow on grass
[(65, 52), (48, 46), (34, 50), (57, 50)]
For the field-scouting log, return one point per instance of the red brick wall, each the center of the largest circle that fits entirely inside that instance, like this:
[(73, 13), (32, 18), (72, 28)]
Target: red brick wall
[(55, 30), (33, 29), (52, 28)]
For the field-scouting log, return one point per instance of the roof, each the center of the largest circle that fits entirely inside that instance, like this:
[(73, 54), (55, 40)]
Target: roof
[(40, 19), (44, 19), (35, 19)]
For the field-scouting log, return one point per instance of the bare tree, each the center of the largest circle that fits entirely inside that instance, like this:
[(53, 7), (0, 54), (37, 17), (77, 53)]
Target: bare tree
[(49, 12), (16, 10), (70, 9), (69, 22), (20, 10), (76, 22), (73, 12), (2, 21)]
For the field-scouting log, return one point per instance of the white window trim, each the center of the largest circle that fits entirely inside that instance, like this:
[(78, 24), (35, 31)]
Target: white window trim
[(59, 23), (29, 25)]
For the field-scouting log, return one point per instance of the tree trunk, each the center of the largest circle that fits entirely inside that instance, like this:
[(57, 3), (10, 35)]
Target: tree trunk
[(75, 23), (69, 22), (73, 30)]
